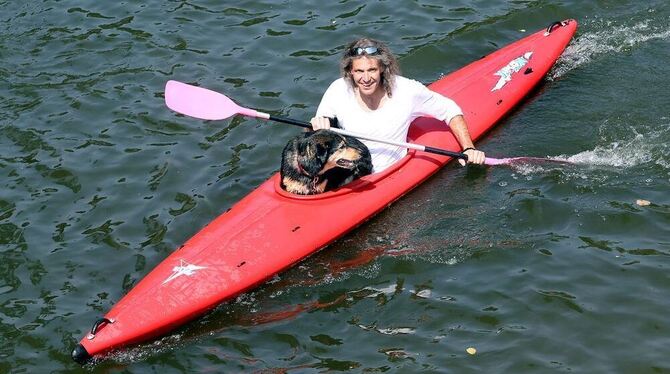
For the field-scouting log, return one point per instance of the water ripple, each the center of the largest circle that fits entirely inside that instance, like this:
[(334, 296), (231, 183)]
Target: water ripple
[(609, 38)]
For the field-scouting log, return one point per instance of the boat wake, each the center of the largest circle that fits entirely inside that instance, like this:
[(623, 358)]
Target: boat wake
[(615, 155), (643, 148), (609, 38)]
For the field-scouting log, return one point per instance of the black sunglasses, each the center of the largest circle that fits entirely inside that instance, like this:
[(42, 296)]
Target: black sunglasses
[(369, 50)]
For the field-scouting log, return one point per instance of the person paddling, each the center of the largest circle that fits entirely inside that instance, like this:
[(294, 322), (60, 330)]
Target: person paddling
[(372, 98)]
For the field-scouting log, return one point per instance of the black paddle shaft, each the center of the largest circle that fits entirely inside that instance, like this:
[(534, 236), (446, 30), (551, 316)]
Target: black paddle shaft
[(307, 125), (333, 122), (444, 152)]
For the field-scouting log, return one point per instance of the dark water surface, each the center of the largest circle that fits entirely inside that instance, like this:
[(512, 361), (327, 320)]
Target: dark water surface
[(540, 268)]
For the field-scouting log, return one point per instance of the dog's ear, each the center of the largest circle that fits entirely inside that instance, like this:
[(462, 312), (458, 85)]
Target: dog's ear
[(317, 156), (302, 145), (312, 150), (321, 151)]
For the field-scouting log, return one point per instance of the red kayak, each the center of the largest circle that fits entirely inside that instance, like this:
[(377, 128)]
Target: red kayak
[(270, 230)]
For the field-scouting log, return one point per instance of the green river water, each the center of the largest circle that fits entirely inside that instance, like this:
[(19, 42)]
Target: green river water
[(540, 268)]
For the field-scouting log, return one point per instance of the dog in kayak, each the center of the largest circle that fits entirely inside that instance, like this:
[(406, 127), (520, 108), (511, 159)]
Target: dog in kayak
[(322, 160)]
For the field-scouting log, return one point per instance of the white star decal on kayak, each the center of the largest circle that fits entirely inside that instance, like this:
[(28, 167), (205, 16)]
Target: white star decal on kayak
[(184, 268)]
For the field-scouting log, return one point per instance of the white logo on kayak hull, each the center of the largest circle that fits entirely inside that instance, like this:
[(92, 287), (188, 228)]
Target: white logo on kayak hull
[(514, 66), (184, 268)]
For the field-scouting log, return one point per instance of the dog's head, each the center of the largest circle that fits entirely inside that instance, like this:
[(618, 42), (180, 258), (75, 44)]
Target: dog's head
[(324, 150)]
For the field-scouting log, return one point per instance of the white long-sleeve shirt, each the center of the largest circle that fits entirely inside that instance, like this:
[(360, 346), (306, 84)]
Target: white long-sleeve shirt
[(391, 121)]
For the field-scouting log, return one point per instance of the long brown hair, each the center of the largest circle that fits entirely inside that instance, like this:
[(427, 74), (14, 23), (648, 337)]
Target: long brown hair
[(387, 62)]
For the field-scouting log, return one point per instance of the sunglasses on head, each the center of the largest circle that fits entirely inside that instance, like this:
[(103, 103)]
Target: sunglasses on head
[(369, 50)]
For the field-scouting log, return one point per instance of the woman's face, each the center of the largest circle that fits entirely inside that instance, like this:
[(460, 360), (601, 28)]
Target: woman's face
[(366, 74)]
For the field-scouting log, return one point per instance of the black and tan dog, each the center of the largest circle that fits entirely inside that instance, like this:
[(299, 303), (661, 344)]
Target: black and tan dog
[(315, 162)]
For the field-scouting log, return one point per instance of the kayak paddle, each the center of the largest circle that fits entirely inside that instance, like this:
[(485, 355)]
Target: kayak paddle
[(206, 104)]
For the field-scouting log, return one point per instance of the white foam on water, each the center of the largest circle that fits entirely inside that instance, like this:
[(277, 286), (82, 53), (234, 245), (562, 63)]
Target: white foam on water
[(615, 155), (641, 149), (611, 39), (142, 352)]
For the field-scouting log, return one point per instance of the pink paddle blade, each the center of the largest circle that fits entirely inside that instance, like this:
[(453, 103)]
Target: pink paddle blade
[(511, 160), (497, 161), (202, 103)]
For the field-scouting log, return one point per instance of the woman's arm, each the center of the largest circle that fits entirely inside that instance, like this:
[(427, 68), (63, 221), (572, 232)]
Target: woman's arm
[(460, 130)]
